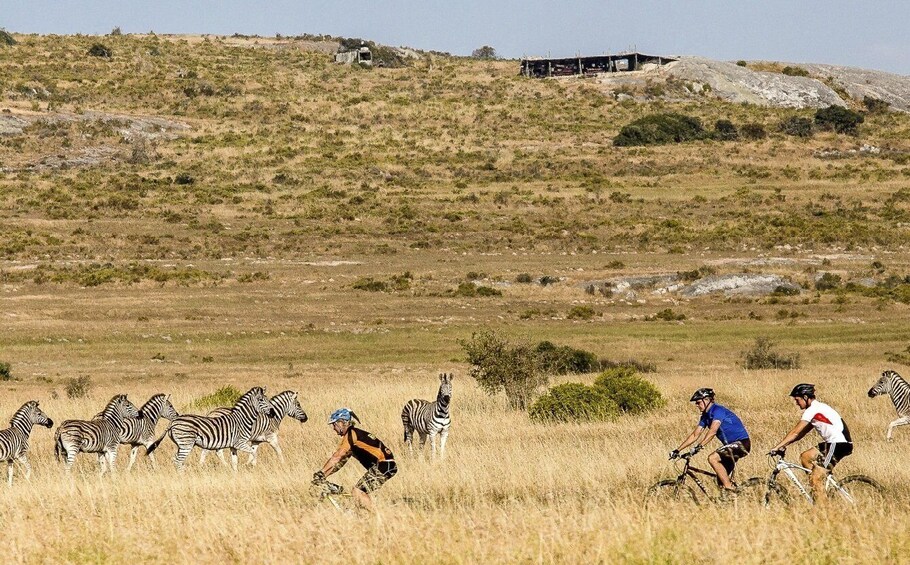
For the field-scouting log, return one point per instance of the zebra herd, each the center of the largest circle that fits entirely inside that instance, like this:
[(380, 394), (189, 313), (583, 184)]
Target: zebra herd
[(254, 419)]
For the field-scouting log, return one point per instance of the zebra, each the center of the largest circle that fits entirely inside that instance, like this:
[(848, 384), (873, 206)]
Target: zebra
[(101, 436), (265, 428), (899, 391), (429, 418), (140, 431), (229, 431), (14, 439)]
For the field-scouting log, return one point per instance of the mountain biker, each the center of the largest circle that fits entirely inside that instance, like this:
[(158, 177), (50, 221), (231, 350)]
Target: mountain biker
[(366, 448), (836, 443), (717, 420)]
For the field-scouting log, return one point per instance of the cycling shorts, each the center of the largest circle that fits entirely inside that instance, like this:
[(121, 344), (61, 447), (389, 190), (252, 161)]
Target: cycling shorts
[(376, 476), (733, 452), (831, 453)]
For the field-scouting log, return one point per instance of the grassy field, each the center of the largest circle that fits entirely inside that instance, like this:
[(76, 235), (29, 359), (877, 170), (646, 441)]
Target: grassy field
[(237, 252)]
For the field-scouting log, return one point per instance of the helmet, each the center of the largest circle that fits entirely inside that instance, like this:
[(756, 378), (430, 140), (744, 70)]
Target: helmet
[(702, 393), (803, 389), (343, 415)]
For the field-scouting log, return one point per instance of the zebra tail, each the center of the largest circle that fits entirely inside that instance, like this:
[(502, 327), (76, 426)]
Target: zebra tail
[(58, 445), (154, 445)]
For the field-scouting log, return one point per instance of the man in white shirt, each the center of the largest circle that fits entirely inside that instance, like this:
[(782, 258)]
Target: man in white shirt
[(830, 426)]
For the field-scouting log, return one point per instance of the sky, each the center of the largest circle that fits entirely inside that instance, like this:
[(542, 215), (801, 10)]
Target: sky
[(868, 34)]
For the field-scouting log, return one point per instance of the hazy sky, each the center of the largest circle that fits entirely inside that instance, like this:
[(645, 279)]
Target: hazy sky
[(871, 34)]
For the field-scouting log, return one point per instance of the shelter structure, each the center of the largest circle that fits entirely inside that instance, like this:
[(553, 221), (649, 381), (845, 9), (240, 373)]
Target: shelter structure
[(359, 55), (623, 62)]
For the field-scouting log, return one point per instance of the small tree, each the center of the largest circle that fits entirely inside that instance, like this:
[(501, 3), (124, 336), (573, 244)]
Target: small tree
[(797, 126), (841, 120), (753, 131), (763, 356), (6, 38), (725, 130), (631, 393), (5, 371), (485, 52), (497, 366), (100, 50)]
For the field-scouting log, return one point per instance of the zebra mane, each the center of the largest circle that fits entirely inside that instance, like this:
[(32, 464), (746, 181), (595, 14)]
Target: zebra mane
[(23, 411), (897, 378), (153, 404), (281, 403), (247, 396)]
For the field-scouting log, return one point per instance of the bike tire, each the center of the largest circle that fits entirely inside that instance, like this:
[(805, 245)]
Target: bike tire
[(862, 490), (670, 490), (752, 489), (774, 494)]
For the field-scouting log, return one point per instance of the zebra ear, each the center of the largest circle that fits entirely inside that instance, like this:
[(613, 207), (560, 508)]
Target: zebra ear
[(442, 377)]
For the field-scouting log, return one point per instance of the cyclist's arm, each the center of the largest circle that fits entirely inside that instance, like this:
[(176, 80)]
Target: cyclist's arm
[(711, 432), (691, 439), (338, 459), (796, 434)]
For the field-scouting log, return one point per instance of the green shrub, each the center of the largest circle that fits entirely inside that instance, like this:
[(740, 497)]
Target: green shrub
[(796, 126), (498, 365), (581, 312), (100, 50), (667, 315), (763, 356), (524, 278), (875, 106), (795, 71), (6, 39), (724, 130), (573, 402), (660, 129), (631, 393), (225, 396), (741, 63), (828, 281), (369, 284), (5, 371), (78, 387), (562, 359), (753, 131), (471, 290), (841, 120)]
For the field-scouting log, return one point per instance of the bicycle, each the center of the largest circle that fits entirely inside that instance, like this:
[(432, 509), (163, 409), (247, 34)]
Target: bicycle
[(334, 493), (680, 489), (851, 489)]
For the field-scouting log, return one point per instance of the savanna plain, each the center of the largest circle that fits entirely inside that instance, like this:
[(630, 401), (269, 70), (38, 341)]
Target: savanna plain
[(192, 213)]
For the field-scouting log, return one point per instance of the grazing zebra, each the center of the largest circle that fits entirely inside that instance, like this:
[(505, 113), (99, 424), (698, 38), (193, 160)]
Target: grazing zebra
[(14, 439), (140, 431), (899, 391), (429, 418), (265, 428), (231, 431), (101, 436)]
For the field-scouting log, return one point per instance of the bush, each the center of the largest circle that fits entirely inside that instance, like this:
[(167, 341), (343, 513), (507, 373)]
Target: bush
[(524, 278), (369, 284), (841, 120), (99, 50), (763, 356), (485, 52), (224, 396), (631, 393), (497, 365), (572, 402), (875, 106), (6, 39), (795, 71), (78, 387), (667, 315), (660, 129), (581, 313), (753, 131), (471, 290), (725, 130), (828, 281), (562, 359), (5, 371), (796, 126), (741, 63)]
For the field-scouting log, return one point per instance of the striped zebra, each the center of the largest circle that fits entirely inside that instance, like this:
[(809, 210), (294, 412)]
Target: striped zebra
[(265, 428), (140, 431), (14, 439), (231, 431), (429, 418), (899, 391), (101, 436)]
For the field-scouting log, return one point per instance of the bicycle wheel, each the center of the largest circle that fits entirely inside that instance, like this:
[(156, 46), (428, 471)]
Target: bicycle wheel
[(753, 490), (770, 495), (859, 490), (670, 490)]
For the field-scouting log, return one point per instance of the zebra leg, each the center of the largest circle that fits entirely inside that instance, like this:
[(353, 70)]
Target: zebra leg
[(273, 441), (152, 460), (133, 453), (70, 459), (111, 459), (433, 444), (252, 459), (899, 422), (202, 454), (101, 463), (183, 451), (221, 458), (443, 436), (23, 460), (234, 459), (423, 441), (9, 472)]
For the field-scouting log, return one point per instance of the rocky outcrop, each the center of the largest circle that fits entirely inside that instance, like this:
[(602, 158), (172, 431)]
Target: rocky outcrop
[(859, 83)]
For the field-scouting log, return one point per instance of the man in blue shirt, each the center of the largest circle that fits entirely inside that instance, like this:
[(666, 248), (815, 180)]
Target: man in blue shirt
[(719, 421)]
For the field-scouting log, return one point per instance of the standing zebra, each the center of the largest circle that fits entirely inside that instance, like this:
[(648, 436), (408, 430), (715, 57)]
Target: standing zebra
[(429, 418), (140, 431), (229, 431), (14, 439), (265, 428), (899, 391), (101, 436)]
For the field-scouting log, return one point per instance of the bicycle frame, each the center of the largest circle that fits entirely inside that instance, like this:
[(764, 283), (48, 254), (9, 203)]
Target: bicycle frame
[(693, 472), (786, 467)]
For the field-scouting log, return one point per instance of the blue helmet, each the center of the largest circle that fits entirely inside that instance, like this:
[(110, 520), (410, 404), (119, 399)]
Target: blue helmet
[(344, 415)]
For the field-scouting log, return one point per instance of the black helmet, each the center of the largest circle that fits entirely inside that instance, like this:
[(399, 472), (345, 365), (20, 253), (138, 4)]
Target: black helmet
[(803, 389), (702, 393)]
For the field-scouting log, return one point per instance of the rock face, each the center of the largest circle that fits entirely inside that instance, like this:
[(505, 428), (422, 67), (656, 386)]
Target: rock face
[(737, 84), (739, 284), (859, 83)]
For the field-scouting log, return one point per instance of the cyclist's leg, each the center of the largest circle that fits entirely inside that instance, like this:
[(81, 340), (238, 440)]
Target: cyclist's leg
[(817, 473), (718, 465), (723, 461)]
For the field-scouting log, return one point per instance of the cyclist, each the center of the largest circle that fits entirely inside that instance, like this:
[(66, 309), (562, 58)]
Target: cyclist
[(366, 448), (836, 443), (719, 421)]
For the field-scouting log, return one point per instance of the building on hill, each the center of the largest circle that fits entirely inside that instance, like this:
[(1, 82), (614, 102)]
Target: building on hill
[(581, 66), (358, 55)]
